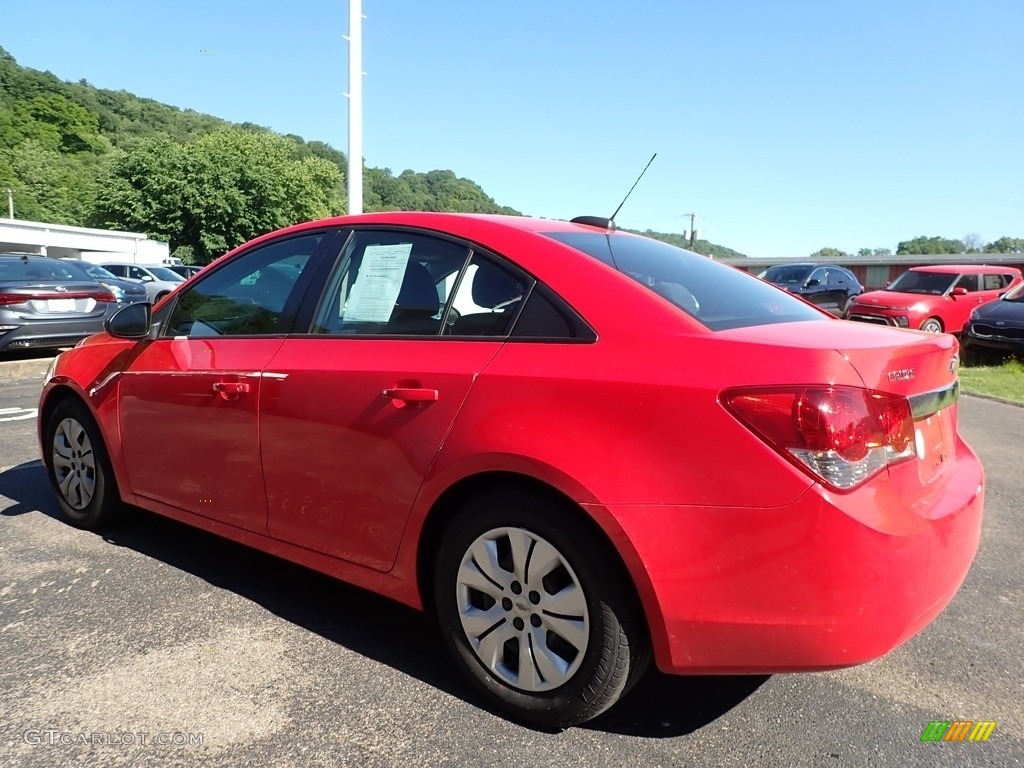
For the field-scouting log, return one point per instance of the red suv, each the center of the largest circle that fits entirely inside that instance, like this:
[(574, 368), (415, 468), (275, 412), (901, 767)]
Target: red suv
[(934, 299)]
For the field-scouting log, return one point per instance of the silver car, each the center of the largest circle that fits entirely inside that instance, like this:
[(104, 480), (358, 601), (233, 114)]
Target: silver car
[(44, 303), (159, 280), (124, 290)]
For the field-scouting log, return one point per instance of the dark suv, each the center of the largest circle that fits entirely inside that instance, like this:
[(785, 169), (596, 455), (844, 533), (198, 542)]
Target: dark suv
[(830, 287)]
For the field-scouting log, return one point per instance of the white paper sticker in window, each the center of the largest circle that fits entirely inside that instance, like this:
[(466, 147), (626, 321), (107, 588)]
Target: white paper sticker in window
[(377, 285)]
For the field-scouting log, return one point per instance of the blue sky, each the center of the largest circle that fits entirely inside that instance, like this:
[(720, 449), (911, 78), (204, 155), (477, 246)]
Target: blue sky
[(787, 126)]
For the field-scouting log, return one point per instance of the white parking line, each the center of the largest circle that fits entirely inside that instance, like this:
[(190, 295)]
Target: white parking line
[(21, 414)]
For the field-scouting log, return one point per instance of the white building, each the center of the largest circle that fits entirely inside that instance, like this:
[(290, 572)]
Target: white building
[(96, 245)]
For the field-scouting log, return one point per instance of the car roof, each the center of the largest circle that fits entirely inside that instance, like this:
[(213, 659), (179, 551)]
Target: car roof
[(459, 224), (965, 269)]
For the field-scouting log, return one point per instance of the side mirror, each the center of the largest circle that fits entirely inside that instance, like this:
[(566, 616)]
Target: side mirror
[(958, 291), (147, 278), (812, 282), (131, 322)]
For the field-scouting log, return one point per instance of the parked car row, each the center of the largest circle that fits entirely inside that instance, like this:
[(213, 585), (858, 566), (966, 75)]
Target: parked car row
[(984, 305), (56, 302)]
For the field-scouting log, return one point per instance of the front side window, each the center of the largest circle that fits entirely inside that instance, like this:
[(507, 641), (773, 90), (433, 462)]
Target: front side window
[(247, 296), (968, 282), (820, 274), (787, 274)]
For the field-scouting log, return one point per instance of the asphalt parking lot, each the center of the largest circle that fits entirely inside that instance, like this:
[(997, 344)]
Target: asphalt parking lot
[(155, 644)]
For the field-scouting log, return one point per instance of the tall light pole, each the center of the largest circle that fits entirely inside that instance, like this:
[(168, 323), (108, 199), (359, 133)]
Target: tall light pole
[(355, 106)]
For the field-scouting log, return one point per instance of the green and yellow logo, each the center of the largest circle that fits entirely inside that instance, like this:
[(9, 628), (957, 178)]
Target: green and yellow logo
[(958, 730)]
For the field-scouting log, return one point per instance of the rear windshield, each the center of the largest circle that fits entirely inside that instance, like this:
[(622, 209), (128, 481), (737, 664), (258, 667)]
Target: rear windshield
[(931, 283), (37, 269), (714, 294)]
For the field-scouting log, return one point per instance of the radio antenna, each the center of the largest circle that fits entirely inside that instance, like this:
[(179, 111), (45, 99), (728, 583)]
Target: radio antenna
[(612, 219)]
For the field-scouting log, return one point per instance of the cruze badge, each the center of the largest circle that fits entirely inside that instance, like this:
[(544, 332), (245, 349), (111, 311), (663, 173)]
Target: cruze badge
[(904, 374)]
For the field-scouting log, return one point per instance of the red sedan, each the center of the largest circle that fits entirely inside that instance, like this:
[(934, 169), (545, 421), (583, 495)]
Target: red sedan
[(576, 447)]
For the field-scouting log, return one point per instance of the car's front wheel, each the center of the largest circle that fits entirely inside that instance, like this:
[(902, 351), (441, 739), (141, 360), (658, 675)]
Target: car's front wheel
[(79, 469), (536, 611), (932, 325)]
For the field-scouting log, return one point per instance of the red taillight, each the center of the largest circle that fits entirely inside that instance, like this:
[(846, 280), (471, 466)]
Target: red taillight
[(841, 435), (100, 295)]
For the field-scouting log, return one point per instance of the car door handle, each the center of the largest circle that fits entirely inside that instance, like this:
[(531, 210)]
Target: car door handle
[(230, 390), (410, 394)]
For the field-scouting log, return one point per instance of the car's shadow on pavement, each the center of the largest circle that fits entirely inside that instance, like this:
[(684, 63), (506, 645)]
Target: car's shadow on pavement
[(375, 627)]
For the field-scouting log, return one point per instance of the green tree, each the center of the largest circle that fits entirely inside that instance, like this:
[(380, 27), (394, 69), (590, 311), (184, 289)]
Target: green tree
[(876, 253), (1006, 245), (928, 245), (830, 253), (217, 191)]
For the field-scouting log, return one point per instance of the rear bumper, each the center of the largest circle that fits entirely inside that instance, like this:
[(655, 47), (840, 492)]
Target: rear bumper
[(802, 587), (56, 333)]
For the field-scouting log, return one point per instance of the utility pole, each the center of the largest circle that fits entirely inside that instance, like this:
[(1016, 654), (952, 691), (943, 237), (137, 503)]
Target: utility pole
[(355, 106), (693, 230), (10, 203)]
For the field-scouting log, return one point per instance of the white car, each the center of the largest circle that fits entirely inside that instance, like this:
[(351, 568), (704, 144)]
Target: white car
[(159, 280)]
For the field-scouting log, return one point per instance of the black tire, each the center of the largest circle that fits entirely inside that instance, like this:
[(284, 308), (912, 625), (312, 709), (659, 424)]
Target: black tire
[(844, 313), (612, 631), (79, 468)]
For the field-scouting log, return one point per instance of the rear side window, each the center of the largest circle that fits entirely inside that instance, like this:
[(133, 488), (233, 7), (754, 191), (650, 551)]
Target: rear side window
[(992, 282), (714, 294)]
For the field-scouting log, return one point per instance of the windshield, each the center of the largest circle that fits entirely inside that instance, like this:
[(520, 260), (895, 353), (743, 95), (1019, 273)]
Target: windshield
[(932, 283), (787, 274), (1017, 294), (163, 273), (716, 295)]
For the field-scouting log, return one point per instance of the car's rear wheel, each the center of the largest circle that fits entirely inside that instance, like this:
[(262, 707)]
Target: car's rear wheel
[(932, 325), (79, 468), (533, 611)]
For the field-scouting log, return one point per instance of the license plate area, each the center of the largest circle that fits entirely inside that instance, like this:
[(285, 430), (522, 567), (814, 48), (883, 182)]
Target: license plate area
[(60, 305)]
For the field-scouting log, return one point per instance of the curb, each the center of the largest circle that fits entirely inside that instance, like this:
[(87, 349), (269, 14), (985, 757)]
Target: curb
[(993, 398), (17, 369)]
